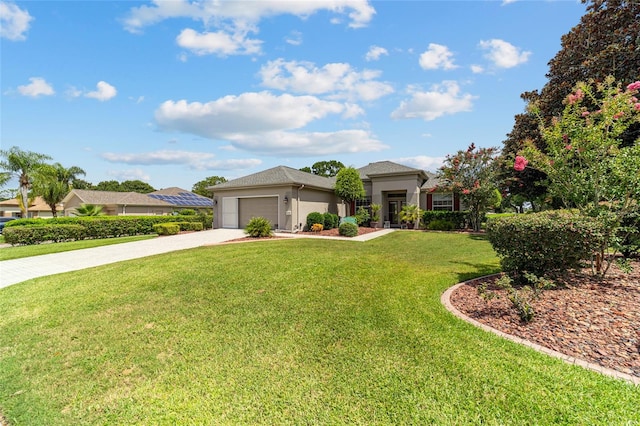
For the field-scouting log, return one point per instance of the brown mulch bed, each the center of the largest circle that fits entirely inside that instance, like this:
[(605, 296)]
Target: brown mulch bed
[(597, 320), (324, 233)]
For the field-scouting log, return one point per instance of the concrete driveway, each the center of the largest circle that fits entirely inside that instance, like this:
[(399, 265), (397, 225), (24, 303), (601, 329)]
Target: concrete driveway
[(18, 270)]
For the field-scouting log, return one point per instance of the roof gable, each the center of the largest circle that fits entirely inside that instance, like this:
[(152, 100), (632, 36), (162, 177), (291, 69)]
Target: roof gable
[(387, 168), (279, 175)]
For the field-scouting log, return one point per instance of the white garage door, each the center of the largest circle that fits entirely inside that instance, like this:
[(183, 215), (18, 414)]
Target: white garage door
[(266, 207)]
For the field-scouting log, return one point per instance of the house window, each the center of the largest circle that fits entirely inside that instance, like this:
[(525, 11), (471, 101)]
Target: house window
[(442, 202), (364, 202)]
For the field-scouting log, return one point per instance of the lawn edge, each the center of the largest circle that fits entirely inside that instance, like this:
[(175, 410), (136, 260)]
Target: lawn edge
[(446, 302)]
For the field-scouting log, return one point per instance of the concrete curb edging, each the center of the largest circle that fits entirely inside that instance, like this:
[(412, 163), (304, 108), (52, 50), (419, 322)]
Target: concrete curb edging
[(445, 300)]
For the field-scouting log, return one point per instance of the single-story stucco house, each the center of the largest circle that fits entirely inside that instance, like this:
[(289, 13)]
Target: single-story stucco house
[(37, 208), (162, 202), (285, 196)]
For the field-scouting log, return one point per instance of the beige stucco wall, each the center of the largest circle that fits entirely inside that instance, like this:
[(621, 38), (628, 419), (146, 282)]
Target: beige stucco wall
[(300, 203), (408, 184), (116, 210)]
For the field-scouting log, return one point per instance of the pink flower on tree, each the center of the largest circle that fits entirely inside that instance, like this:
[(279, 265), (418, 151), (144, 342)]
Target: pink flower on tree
[(466, 192), (520, 163), (618, 115), (568, 147), (637, 107), (634, 86)]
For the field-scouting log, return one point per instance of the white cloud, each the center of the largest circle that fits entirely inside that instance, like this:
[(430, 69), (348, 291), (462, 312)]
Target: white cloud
[(235, 19), (266, 123), (247, 113), (132, 174), (337, 80), (37, 87), (104, 92), (73, 92), (506, 2), (194, 160), (294, 39), (14, 22), (422, 162), (477, 69), (437, 57), (375, 52), (504, 54), (308, 143), (442, 99), (219, 43)]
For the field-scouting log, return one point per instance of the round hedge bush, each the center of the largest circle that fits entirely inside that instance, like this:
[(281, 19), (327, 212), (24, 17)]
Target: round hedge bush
[(348, 229), (258, 227)]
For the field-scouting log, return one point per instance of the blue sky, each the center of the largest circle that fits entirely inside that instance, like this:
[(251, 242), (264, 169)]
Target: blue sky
[(171, 92)]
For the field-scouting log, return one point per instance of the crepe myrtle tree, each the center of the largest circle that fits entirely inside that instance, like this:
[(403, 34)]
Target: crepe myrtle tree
[(588, 164), (349, 186), (473, 175)]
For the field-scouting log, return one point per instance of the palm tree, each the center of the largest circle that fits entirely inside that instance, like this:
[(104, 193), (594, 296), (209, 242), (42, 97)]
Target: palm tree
[(410, 213), (53, 183), (89, 210), (21, 165)]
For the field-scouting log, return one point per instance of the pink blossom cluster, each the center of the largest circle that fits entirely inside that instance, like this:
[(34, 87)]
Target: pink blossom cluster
[(520, 163), (634, 86), (574, 97)]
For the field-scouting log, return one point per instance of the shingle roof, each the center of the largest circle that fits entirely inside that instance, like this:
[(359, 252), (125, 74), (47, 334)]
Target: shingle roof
[(174, 190), (279, 175), (432, 181), (120, 198), (38, 204), (386, 168)]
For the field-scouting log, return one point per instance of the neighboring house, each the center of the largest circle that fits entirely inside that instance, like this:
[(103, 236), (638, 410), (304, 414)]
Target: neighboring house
[(285, 196), (116, 203), (37, 208), (182, 199)]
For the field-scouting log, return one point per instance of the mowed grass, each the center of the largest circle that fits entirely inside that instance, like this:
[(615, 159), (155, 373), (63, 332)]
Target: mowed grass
[(18, 252), (283, 332)]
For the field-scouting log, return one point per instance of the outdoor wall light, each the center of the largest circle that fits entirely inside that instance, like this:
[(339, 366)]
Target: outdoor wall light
[(286, 199)]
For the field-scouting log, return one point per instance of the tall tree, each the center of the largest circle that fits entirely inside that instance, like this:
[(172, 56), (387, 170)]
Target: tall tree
[(22, 165), (605, 42), (136, 186), (324, 168), (349, 186), (201, 187), (108, 185), (53, 183), (473, 175)]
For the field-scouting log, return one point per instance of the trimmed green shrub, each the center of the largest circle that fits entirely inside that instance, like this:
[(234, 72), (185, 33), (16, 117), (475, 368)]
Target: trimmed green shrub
[(258, 227), (440, 225), (347, 229), (314, 217), (187, 212), (330, 220), (167, 228), (29, 235), (544, 243), (190, 226), (459, 219), (110, 226), (362, 215)]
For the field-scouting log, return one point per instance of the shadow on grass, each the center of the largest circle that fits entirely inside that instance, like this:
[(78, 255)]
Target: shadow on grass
[(480, 270)]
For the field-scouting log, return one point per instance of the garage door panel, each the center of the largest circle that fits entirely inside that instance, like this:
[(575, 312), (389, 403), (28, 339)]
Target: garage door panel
[(249, 208)]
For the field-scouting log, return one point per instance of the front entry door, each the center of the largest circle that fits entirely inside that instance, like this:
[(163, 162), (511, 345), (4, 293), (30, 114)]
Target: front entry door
[(394, 212)]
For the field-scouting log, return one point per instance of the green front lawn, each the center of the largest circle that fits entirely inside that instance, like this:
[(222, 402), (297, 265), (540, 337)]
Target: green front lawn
[(300, 331), (17, 252)]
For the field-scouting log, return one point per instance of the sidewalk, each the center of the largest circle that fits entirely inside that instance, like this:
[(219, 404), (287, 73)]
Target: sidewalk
[(18, 270)]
